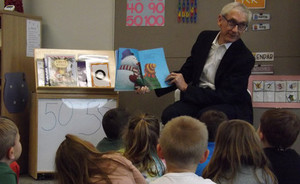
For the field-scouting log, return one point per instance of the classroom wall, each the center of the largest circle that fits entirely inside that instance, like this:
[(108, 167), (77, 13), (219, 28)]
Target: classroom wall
[(75, 24)]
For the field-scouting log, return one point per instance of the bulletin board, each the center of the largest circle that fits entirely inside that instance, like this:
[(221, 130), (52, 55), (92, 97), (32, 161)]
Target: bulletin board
[(275, 91)]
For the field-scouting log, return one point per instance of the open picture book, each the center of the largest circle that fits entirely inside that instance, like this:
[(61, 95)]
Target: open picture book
[(136, 68)]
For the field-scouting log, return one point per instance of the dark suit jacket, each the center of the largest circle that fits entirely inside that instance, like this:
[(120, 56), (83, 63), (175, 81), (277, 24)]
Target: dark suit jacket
[(231, 80)]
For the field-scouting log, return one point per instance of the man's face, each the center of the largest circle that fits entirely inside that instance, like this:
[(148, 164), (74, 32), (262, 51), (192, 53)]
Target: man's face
[(229, 31)]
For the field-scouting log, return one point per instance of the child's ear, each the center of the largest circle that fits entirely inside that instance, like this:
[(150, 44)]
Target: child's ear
[(261, 135), (159, 151), (11, 153), (204, 157)]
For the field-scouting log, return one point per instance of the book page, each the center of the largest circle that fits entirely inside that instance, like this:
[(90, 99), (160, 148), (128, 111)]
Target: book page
[(154, 68), (128, 74)]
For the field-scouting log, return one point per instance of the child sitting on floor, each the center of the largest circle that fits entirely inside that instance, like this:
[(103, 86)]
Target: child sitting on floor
[(238, 156), (113, 123), (278, 131), (10, 150), (79, 162), (183, 144), (141, 138)]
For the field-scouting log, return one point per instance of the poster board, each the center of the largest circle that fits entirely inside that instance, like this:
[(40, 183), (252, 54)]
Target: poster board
[(275, 91)]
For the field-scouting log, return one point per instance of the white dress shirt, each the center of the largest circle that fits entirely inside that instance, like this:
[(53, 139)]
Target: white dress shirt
[(216, 53)]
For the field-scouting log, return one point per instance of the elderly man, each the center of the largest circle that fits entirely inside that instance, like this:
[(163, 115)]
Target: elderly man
[(215, 76)]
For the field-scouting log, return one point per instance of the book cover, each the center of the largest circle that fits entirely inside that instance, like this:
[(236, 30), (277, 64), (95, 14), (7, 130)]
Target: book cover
[(100, 75), (89, 60), (81, 74), (46, 72), (140, 68), (62, 70), (40, 72)]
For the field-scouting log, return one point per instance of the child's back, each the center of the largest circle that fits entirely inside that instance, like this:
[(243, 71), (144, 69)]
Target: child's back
[(278, 131), (285, 165), (183, 144)]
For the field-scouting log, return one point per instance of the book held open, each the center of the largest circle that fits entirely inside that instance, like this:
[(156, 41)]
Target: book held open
[(136, 68)]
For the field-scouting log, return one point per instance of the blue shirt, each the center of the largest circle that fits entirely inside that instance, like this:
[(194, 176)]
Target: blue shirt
[(210, 147)]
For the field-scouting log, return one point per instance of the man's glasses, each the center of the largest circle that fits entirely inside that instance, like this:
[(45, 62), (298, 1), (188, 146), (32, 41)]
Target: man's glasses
[(232, 23)]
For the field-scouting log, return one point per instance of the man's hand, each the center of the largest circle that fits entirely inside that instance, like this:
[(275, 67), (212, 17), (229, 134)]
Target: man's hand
[(142, 90), (178, 80)]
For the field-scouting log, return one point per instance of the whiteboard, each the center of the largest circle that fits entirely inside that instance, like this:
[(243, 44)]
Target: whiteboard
[(58, 117)]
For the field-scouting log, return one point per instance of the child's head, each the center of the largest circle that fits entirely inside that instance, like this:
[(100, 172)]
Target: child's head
[(279, 128), (212, 119), (183, 142), (140, 139), (237, 141), (114, 121), (11, 148), (237, 145), (77, 161)]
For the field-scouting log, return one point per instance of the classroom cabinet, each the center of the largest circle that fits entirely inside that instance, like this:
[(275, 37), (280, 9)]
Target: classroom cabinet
[(17, 44), (60, 110)]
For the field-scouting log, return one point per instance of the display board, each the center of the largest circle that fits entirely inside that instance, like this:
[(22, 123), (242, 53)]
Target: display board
[(277, 91)]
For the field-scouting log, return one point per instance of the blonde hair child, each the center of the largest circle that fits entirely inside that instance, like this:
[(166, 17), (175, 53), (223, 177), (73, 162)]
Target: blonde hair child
[(10, 149), (183, 144)]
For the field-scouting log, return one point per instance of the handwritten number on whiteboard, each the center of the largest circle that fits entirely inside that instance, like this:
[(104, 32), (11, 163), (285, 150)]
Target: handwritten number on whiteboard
[(50, 113), (69, 112), (92, 114)]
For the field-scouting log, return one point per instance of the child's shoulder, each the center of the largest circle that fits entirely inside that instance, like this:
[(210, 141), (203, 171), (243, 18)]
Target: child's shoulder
[(289, 152), (6, 174), (184, 177), (115, 156), (119, 159)]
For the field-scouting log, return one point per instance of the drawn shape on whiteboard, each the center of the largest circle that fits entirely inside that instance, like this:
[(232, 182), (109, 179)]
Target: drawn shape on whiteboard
[(50, 114)]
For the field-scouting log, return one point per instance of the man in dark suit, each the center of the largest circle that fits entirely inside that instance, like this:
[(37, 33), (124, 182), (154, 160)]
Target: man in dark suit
[(215, 76)]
